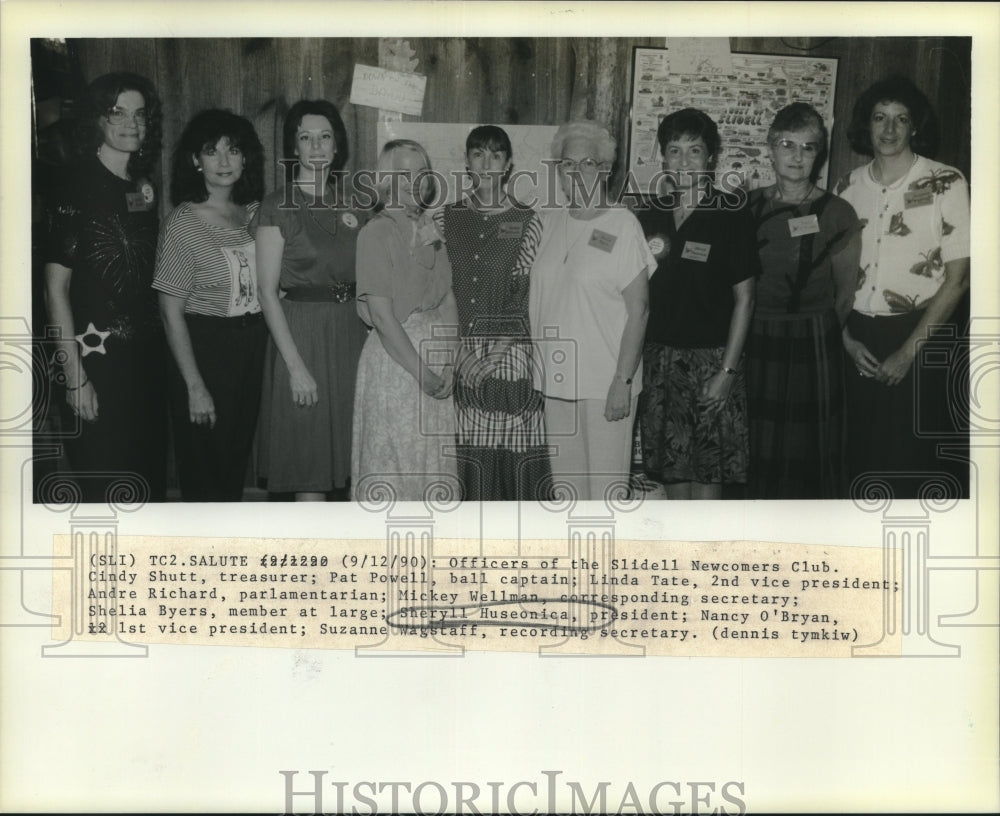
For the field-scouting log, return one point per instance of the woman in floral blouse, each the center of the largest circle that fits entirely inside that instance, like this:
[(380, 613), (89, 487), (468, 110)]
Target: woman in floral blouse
[(914, 270)]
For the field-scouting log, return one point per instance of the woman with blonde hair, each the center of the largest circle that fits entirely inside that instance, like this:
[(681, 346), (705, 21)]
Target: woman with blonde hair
[(404, 419)]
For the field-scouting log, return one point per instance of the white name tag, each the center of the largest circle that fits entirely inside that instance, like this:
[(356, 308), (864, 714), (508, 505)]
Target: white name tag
[(803, 225), (694, 251)]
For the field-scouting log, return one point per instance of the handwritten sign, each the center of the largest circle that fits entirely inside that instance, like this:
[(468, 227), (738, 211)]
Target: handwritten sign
[(389, 90)]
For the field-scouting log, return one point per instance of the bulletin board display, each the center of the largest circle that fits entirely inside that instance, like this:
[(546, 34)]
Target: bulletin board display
[(740, 92), (445, 146)]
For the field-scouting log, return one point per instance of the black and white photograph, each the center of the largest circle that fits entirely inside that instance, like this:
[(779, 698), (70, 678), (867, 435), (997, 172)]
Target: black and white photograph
[(729, 326), (610, 374)]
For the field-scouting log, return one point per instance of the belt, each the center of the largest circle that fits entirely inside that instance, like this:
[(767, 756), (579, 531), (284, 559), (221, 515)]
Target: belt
[(248, 319), (338, 292)]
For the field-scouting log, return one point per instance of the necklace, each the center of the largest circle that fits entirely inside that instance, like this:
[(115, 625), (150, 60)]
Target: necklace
[(326, 208)]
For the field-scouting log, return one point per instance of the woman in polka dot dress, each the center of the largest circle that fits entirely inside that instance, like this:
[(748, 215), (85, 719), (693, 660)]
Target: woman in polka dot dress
[(491, 242)]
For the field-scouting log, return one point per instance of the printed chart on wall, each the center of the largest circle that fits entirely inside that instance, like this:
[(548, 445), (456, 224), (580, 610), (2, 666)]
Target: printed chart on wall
[(741, 92)]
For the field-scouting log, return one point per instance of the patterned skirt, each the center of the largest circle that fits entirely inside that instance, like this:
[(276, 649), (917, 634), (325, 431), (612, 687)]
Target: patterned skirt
[(797, 408), (403, 442), (681, 441)]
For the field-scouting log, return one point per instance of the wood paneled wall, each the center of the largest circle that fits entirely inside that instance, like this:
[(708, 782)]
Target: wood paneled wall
[(542, 81)]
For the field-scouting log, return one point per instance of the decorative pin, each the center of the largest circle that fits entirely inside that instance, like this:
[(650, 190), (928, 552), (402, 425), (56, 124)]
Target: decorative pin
[(88, 342)]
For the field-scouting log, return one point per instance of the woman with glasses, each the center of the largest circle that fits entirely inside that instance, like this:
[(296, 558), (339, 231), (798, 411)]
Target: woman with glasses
[(809, 244), (587, 309), (491, 240), (206, 277), (306, 238), (99, 266), (404, 420), (693, 420), (914, 271)]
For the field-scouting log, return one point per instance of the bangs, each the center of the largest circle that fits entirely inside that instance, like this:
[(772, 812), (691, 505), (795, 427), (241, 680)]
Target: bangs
[(234, 139), (490, 143)]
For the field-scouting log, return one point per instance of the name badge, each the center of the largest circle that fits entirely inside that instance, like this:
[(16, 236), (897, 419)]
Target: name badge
[(602, 240), (803, 225), (510, 230), (136, 202), (918, 198), (694, 251)]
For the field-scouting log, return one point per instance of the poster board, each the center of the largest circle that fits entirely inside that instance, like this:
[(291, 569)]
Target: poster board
[(445, 144), (740, 96)]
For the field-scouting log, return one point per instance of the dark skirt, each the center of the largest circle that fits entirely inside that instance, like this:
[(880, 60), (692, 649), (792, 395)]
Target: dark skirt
[(796, 408), (681, 441), (309, 449), (123, 454), (894, 431)]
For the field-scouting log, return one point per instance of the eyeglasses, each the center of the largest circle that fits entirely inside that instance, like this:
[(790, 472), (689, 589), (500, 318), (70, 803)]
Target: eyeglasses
[(570, 165), (117, 116), (808, 148)]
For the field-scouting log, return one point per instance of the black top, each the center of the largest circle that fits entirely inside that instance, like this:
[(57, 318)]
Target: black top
[(690, 294), (104, 229)]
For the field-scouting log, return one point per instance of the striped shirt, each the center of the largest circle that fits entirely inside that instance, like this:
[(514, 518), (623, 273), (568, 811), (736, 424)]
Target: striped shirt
[(213, 268)]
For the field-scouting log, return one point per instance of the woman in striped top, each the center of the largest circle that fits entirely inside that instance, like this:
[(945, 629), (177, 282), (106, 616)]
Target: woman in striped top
[(205, 274)]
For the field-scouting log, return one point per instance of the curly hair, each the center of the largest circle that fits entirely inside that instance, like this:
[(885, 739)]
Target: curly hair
[(101, 95), (607, 147), (315, 107), (924, 139), (797, 117), (204, 130), (693, 124)]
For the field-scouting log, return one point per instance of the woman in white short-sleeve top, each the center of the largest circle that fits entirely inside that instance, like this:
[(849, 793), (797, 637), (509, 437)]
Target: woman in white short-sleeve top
[(587, 308), (914, 270)]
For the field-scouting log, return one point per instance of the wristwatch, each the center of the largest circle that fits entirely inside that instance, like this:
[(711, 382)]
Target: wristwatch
[(627, 382), (730, 371)]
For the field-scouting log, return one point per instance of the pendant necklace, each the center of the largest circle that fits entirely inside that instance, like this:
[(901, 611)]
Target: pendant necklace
[(326, 208)]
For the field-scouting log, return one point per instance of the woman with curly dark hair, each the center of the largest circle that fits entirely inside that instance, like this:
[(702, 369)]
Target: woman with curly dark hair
[(98, 268), (914, 270), (206, 276), (306, 244)]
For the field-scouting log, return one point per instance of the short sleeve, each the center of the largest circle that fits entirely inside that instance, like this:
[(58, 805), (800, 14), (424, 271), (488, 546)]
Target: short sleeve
[(954, 215), (175, 263), (635, 256), (374, 262), (271, 213)]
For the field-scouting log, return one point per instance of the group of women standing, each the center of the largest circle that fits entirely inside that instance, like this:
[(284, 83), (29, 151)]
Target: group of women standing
[(488, 345)]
